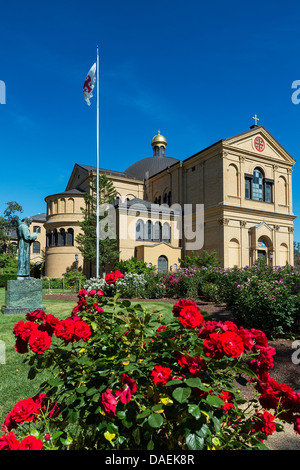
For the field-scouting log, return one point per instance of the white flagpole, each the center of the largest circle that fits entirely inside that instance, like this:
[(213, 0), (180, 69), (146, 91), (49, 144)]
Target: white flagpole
[(97, 209)]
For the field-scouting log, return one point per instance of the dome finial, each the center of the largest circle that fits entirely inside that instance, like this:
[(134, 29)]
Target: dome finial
[(159, 143)]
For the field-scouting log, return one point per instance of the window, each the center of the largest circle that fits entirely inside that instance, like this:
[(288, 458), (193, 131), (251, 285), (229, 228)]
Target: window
[(36, 248), (268, 194), (139, 230), (70, 237), (166, 233), (148, 230), (257, 187), (247, 188), (157, 232)]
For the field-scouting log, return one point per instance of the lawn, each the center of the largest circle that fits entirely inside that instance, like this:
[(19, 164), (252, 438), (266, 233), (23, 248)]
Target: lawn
[(14, 384)]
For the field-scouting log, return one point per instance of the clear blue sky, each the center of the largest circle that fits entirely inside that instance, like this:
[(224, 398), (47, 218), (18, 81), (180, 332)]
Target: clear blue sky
[(196, 70)]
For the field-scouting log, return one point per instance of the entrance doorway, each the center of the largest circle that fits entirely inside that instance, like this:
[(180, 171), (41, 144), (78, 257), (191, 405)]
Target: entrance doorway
[(262, 254)]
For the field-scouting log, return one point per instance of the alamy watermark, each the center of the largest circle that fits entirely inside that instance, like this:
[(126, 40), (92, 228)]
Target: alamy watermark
[(2, 352), (296, 354), (2, 92), (153, 222)]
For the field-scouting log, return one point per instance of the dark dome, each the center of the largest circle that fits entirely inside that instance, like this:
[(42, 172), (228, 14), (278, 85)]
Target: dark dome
[(151, 164)]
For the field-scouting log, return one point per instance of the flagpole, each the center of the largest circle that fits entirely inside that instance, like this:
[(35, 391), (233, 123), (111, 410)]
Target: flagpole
[(97, 203)]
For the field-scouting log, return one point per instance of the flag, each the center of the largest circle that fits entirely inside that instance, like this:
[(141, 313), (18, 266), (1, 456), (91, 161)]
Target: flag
[(89, 84)]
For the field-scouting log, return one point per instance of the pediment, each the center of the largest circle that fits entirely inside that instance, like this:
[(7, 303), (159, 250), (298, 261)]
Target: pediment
[(78, 175), (258, 142)]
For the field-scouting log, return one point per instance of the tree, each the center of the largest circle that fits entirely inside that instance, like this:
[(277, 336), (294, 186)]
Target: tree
[(8, 222), (86, 240), (201, 260)]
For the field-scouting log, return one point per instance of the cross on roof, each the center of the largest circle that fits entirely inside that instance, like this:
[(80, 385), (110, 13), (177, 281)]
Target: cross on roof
[(255, 119)]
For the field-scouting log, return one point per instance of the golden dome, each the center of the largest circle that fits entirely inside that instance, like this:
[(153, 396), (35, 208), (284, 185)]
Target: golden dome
[(159, 139)]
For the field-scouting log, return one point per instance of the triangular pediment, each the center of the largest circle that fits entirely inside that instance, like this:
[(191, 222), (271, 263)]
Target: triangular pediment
[(258, 142), (78, 177)]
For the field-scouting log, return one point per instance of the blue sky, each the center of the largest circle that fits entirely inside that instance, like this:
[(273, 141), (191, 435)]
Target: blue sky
[(196, 70)]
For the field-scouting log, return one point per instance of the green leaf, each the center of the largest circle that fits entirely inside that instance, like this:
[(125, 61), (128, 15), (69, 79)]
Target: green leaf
[(150, 445), (82, 389), (155, 420), (173, 382), (181, 394), (143, 414), (203, 431), (194, 410), (194, 442), (213, 400)]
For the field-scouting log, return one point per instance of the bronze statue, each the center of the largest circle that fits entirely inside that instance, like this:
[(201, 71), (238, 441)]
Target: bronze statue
[(25, 240)]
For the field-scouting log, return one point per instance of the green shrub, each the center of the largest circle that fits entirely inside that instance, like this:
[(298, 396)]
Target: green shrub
[(122, 380), (6, 277)]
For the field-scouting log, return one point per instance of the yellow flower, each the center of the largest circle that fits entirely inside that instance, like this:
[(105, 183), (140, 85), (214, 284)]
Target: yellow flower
[(166, 400), (109, 436)]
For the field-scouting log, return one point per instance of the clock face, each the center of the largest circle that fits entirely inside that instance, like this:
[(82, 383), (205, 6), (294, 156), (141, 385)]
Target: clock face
[(259, 143)]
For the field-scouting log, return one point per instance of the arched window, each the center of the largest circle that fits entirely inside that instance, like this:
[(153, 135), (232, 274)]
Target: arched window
[(148, 230), (70, 237), (55, 238), (62, 237), (156, 151), (258, 185), (166, 233), (161, 151), (162, 264), (139, 230), (36, 247), (157, 232)]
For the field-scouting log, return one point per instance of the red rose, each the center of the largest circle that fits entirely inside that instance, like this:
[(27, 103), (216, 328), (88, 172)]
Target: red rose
[(180, 304), (23, 329), (196, 364), (161, 375), (129, 387), (64, 330), (109, 403), (50, 321), (35, 315), (81, 331), (21, 346), (190, 317), (39, 341), (263, 422), (9, 442), (212, 346), (297, 425), (232, 344), (25, 410), (82, 293), (227, 399), (31, 443), (111, 278)]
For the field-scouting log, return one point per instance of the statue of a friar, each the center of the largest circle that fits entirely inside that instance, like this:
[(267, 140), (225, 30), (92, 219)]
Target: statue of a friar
[(25, 240)]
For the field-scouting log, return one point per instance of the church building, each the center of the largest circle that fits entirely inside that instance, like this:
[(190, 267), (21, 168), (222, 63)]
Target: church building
[(243, 184)]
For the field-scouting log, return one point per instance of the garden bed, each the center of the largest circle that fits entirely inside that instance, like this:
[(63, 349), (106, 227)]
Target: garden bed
[(284, 370)]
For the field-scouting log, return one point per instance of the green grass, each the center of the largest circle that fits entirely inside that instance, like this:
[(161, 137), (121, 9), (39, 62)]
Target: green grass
[(14, 384)]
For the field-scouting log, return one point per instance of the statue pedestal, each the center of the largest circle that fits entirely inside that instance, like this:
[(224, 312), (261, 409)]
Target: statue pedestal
[(23, 296)]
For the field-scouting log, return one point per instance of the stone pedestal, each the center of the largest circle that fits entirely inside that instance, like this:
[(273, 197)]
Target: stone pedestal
[(23, 296)]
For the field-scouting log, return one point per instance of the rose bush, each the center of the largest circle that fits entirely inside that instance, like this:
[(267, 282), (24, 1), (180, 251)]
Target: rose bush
[(122, 379)]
